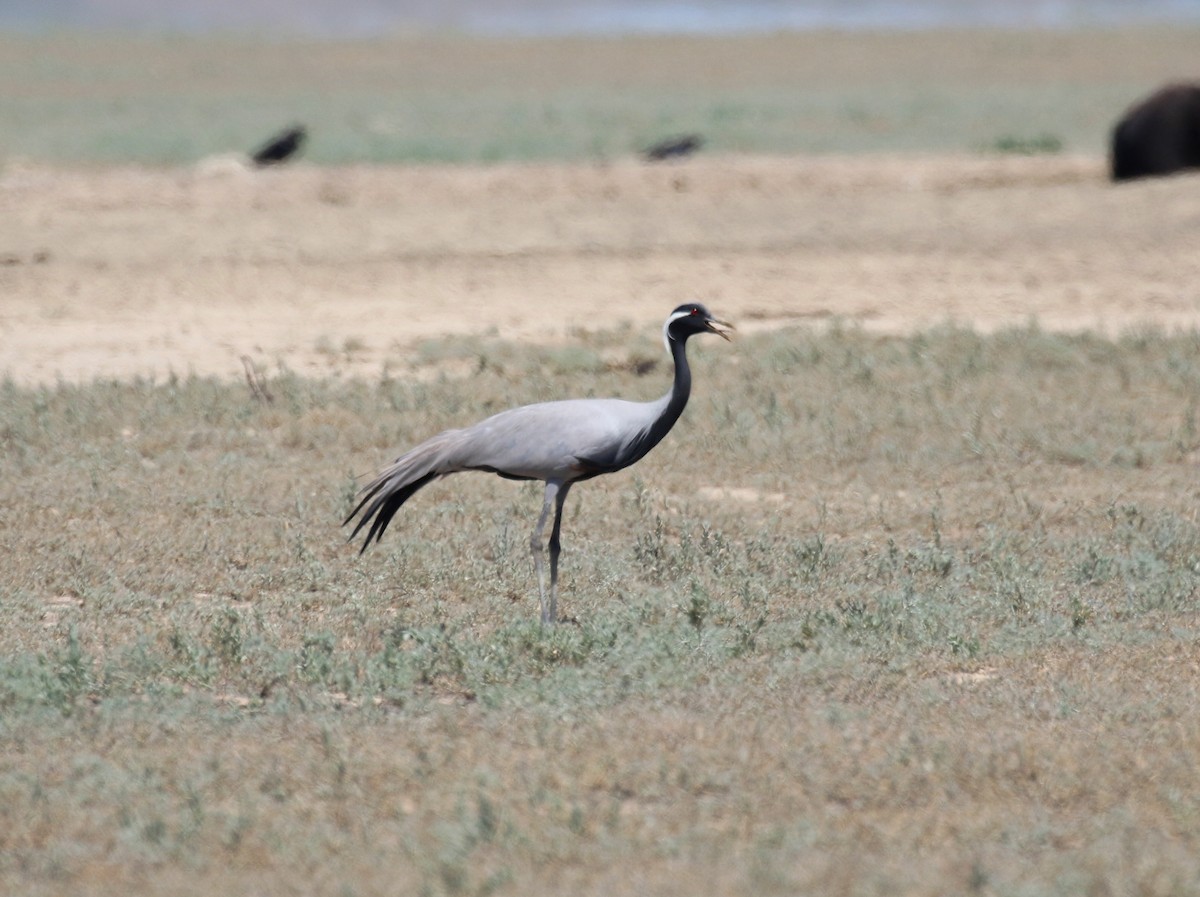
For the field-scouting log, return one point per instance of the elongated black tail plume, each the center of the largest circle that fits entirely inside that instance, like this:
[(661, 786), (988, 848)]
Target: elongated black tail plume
[(384, 507)]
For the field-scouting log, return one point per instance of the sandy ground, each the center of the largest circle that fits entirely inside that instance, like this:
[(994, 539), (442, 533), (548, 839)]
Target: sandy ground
[(126, 272)]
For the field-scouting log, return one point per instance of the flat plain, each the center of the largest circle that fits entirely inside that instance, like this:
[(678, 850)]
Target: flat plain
[(906, 604)]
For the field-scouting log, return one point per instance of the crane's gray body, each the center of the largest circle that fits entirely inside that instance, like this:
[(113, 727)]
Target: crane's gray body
[(558, 442), (566, 440)]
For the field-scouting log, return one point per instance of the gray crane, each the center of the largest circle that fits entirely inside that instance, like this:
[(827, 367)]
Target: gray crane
[(560, 443)]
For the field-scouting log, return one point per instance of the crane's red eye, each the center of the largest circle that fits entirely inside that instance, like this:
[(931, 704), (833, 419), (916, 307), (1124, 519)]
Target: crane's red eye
[(695, 311)]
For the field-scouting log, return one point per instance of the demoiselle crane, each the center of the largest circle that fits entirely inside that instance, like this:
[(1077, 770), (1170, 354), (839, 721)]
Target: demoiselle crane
[(560, 443)]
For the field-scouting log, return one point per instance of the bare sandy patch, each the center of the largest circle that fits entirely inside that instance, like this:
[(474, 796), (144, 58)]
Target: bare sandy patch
[(743, 494), (138, 272)]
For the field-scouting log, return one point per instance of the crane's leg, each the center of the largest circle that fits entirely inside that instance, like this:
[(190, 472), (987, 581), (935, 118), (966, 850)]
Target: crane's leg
[(535, 545), (555, 547)]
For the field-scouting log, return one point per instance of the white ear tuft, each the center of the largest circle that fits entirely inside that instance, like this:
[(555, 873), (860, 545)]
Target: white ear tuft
[(675, 316)]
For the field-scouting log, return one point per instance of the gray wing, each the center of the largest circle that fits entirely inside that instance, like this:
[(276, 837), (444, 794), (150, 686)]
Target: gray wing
[(561, 441), (555, 440)]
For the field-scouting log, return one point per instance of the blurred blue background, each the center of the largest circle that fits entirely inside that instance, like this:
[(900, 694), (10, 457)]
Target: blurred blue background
[(349, 18)]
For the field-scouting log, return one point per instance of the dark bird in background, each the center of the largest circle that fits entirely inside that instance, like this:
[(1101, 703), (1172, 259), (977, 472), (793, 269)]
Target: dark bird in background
[(1158, 135), (673, 147), (560, 443), (281, 147)]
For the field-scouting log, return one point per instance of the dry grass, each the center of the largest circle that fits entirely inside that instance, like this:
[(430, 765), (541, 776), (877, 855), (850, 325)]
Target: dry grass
[(902, 614), (958, 656), (74, 98)]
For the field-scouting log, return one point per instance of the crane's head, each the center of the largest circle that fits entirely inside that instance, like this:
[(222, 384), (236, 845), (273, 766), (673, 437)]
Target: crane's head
[(690, 319)]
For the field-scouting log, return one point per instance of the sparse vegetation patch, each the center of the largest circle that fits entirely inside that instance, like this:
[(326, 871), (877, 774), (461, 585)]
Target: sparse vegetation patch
[(939, 601)]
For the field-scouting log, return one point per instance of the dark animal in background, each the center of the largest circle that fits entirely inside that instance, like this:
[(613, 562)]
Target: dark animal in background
[(1158, 135), (281, 147), (674, 147)]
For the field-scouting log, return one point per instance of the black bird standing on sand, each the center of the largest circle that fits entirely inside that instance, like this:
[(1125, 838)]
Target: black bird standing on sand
[(281, 147)]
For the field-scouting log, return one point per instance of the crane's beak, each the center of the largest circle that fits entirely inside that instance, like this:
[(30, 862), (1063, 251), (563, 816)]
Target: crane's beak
[(712, 325)]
